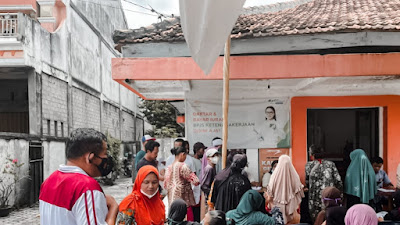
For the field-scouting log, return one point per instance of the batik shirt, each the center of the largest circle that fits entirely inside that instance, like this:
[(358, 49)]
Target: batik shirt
[(178, 180), (319, 175)]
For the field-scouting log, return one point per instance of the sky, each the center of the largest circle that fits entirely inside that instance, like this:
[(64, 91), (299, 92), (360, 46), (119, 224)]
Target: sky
[(138, 14)]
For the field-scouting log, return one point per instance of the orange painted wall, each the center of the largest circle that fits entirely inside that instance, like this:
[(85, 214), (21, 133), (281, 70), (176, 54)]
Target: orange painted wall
[(19, 2), (253, 67), (299, 106)]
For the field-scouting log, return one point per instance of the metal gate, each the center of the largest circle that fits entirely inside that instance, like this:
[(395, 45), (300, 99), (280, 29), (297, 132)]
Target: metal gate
[(35, 170)]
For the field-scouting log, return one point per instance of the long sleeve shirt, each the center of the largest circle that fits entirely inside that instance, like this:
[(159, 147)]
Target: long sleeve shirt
[(207, 179)]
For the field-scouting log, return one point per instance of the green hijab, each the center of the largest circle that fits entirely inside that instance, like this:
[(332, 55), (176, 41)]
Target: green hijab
[(360, 177), (248, 210)]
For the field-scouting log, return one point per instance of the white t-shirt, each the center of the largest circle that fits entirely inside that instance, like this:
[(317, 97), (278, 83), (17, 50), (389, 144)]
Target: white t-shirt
[(265, 179), (188, 162)]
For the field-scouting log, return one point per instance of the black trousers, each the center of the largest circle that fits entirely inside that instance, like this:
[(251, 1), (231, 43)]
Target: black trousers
[(196, 213)]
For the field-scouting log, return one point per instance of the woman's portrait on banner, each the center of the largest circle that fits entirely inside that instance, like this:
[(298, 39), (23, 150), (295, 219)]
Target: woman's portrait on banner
[(271, 132)]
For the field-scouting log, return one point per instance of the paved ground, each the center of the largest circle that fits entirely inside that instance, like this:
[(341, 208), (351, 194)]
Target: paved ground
[(30, 215)]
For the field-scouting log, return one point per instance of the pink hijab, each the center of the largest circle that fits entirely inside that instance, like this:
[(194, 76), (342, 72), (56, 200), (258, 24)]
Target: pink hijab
[(361, 214), (285, 187)]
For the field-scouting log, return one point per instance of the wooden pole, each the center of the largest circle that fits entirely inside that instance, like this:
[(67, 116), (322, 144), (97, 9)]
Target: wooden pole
[(225, 100)]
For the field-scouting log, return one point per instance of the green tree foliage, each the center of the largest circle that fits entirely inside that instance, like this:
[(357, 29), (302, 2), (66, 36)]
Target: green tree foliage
[(113, 150), (162, 116)]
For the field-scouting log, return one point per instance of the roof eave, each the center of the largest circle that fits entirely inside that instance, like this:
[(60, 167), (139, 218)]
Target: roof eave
[(271, 44)]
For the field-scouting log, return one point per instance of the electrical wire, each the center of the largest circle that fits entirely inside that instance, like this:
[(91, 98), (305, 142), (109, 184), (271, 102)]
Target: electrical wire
[(95, 3), (151, 9), (133, 3)]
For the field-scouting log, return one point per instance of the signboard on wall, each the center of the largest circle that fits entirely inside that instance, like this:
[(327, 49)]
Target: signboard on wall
[(252, 123), (267, 156)]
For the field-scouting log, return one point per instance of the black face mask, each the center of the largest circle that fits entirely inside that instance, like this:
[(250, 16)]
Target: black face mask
[(105, 166)]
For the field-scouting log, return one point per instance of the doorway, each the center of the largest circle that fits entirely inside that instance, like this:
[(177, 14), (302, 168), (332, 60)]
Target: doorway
[(340, 131)]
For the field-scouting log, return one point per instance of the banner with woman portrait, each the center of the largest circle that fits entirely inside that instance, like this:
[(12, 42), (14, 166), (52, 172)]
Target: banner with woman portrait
[(252, 123)]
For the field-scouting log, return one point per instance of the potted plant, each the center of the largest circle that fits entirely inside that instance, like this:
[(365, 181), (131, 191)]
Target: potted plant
[(9, 178)]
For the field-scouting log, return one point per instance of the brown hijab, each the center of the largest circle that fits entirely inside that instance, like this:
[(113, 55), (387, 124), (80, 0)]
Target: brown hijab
[(330, 198)]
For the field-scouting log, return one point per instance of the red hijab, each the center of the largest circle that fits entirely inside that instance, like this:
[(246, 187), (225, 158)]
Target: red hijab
[(147, 211)]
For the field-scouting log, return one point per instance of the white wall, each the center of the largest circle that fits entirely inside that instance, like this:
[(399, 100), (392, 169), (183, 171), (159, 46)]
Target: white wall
[(54, 156)]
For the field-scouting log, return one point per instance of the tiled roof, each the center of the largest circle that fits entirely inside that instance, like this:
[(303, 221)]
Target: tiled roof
[(271, 8), (318, 16)]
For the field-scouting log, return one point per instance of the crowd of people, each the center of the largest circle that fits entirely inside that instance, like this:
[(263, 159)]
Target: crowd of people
[(71, 196)]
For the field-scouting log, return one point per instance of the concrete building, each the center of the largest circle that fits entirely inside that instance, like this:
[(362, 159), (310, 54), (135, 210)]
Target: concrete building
[(333, 63), (55, 76)]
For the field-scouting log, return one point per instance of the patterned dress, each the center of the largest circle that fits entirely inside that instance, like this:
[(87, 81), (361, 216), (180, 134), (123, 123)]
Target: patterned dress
[(178, 180), (320, 175)]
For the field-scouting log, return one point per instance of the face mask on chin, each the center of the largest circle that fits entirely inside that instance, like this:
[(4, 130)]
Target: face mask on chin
[(105, 166), (147, 195)]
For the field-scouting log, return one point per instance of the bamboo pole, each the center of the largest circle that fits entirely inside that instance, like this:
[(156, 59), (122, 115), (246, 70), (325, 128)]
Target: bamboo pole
[(225, 100)]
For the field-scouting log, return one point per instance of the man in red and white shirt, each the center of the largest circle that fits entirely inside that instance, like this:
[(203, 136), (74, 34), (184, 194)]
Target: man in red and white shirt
[(70, 195)]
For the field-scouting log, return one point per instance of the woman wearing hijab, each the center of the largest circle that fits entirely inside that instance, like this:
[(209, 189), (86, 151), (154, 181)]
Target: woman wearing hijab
[(320, 173), (178, 180), (249, 211), (361, 214), (267, 176), (177, 213), (360, 182), (229, 185), (332, 203), (335, 216), (144, 205), (285, 190)]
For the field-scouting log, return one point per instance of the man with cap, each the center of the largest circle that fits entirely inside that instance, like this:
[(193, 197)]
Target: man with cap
[(209, 171), (216, 144), (141, 153)]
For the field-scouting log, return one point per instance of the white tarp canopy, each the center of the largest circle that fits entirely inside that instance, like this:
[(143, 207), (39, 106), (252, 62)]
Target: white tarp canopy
[(206, 25)]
